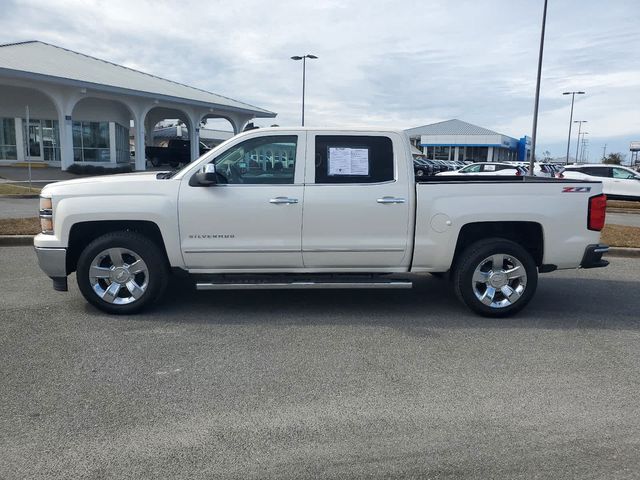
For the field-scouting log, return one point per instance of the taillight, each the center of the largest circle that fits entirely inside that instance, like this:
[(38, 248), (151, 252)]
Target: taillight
[(597, 212), (518, 172), (559, 175)]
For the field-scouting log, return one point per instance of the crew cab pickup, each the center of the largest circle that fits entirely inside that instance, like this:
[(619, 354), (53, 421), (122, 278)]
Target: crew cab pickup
[(312, 208)]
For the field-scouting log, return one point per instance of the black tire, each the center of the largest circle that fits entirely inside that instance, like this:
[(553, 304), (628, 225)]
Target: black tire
[(474, 256), (156, 274)]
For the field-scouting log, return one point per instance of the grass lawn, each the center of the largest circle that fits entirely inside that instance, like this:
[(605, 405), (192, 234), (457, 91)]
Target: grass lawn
[(613, 235), (11, 189), (19, 226)]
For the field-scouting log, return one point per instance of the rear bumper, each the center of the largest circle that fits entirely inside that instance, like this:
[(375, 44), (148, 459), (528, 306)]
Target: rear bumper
[(593, 256), (53, 262)]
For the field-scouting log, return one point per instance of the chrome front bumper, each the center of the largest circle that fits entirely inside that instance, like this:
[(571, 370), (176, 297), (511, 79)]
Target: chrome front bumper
[(53, 262)]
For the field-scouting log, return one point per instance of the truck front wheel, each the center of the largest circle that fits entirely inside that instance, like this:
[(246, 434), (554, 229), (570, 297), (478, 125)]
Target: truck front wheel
[(495, 277), (122, 272)]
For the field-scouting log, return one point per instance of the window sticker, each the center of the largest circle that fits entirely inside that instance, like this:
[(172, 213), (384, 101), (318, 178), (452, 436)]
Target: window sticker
[(489, 168), (348, 161)]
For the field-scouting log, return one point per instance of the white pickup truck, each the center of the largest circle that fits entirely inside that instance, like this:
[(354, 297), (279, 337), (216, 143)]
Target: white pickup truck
[(313, 208)]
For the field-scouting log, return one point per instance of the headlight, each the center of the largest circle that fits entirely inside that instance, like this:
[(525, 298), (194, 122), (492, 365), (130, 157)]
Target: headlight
[(46, 215)]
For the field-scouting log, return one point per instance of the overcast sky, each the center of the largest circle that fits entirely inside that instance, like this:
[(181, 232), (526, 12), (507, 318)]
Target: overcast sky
[(389, 63)]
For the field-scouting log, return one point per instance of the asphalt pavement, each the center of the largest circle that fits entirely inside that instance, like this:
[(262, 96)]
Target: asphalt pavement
[(322, 384), (628, 219), (18, 207)]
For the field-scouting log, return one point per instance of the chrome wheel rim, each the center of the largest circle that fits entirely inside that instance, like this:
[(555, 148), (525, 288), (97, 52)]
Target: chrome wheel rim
[(118, 276), (499, 280)]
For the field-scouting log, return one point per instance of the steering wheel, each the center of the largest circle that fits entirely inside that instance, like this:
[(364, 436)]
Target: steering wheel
[(233, 174)]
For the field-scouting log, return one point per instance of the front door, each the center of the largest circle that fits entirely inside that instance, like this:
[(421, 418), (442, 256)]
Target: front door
[(625, 183), (357, 204), (34, 140), (254, 219)]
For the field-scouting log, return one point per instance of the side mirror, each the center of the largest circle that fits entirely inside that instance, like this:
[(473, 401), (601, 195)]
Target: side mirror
[(205, 177)]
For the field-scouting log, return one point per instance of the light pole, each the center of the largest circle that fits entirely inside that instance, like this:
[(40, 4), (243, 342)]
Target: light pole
[(537, 101), (304, 69), (573, 96), (579, 122)]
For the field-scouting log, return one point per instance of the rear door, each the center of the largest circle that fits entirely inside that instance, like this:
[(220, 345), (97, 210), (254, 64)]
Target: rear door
[(357, 202)]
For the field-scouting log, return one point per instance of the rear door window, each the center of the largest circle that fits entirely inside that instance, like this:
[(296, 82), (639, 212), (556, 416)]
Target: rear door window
[(353, 159), (597, 171)]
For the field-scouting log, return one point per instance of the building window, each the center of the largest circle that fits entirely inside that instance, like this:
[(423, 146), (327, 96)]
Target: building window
[(8, 149), (91, 142), (50, 140), (441, 153), (122, 144)]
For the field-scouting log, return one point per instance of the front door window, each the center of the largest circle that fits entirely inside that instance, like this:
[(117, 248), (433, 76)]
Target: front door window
[(259, 161)]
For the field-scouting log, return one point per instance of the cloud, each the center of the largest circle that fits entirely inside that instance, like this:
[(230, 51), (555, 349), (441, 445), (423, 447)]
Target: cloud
[(381, 62)]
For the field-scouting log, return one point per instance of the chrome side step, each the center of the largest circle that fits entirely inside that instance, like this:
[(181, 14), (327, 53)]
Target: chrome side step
[(301, 285)]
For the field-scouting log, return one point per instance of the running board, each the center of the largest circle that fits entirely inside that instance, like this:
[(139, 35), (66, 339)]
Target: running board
[(300, 285)]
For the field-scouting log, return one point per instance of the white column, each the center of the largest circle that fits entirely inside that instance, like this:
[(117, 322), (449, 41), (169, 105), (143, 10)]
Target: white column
[(112, 143), (138, 139), (65, 124), (490, 154), (194, 139), (20, 150), (456, 153)]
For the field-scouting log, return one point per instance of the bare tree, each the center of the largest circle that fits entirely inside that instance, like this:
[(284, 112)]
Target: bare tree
[(614, 158)]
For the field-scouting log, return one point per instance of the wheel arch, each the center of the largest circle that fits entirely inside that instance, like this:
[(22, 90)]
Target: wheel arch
[(83, 233), (529, 235)]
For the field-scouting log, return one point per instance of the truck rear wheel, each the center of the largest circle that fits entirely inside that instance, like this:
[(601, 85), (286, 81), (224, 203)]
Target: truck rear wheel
[(122, 272), (495, 277)]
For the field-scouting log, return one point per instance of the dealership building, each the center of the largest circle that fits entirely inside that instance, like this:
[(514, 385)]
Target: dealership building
[(60, 107), (458, 140)]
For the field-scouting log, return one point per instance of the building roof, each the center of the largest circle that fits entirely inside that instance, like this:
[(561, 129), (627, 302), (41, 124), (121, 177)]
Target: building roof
[(450, 127), (39, 60)]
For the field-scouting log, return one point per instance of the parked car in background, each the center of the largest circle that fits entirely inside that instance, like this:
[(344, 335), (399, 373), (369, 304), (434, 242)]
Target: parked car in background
[(177, 152), (489, 168), (619, 183), (422, 168)]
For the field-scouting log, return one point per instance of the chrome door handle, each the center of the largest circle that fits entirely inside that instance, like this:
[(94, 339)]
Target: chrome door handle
[(283, 200), (390, 200)]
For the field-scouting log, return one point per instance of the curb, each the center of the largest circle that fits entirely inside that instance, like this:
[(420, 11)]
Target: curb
[(27, 240), (624, 210), (623, 252), (33, 195), (16, 240)]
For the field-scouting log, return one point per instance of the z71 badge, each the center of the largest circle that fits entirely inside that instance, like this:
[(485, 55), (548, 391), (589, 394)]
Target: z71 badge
[(576, 189)]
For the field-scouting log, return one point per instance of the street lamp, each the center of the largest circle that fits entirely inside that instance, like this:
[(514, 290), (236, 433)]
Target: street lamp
[(304, 68), (579, 122), (573, 96)]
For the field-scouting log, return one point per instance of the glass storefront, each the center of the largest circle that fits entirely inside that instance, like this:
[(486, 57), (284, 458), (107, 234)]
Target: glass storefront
[(50, 140), (8, 148), (42, 140), (91, 142), (123, 154)]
